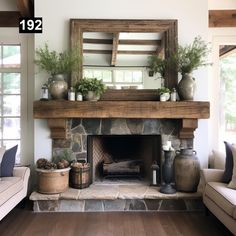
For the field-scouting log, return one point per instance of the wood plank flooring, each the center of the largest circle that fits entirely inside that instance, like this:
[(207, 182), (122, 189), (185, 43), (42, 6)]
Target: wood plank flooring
[(24, 222)]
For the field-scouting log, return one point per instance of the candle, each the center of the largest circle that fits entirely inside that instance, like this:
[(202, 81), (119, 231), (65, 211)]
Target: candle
[(154, 177)]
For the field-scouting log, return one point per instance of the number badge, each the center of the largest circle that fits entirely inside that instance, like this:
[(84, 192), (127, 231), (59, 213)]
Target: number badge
[(30, 25)]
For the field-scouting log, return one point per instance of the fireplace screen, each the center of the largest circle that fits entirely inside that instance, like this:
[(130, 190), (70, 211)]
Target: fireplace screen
[(123, 156)]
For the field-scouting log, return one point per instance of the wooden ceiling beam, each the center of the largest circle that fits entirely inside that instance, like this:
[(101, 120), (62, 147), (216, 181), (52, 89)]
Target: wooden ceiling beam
[(227, 49), (222, 18), (91, 51), (140, 42), (25, 8), (9, 18), (97, 41), (133, 52), (124, 41), (114, 48)]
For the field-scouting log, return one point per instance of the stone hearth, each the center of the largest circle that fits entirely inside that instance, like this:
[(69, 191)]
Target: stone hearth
[(116, 197)]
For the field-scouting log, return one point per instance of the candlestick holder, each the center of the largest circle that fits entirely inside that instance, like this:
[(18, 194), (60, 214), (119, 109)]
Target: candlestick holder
[(167, 171)]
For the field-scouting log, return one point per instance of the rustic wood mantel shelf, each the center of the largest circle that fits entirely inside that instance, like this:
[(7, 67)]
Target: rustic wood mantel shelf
[(58, 111)]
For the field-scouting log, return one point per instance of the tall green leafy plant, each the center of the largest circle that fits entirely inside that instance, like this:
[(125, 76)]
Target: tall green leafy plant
[(57, 63), (190, 57)]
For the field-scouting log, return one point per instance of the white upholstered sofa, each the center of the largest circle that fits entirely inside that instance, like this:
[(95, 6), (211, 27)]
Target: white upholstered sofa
[(13, 189), (218, 198)]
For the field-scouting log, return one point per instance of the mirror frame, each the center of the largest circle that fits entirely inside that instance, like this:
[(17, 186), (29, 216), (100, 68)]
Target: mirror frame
[(168, 27)]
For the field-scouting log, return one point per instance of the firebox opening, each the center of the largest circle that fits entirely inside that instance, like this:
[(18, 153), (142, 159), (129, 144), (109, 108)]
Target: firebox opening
[(123, 156)]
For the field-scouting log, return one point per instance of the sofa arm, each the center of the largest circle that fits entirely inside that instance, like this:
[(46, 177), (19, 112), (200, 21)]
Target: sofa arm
[(21, 171), (211, 175)]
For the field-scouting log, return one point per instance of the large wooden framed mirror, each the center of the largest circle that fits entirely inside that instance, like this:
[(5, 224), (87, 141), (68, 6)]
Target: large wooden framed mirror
[(122, 47)]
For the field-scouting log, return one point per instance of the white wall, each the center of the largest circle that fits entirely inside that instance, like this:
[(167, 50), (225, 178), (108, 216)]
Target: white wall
[(192, 18), (8, 5), (221, 4)]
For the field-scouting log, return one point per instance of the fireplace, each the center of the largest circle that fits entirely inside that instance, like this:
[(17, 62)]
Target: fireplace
[(123, 157)]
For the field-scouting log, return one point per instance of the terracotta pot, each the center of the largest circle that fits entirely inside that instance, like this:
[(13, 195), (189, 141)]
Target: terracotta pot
[(187, 87), (52, 181), (187, 170)]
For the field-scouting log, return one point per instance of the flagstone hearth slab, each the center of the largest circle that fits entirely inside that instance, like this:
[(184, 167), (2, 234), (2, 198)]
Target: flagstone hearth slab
[(70, 193), (100, 192), (132, 191), (39, 196)]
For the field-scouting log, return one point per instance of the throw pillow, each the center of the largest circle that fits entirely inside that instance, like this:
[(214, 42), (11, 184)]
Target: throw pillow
[(8, 162), (227, 176), (2, 151), (232, 183)]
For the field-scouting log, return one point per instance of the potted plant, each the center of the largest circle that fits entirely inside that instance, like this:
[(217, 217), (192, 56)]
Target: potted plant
[(164, 94), (187, 59), (91, 88), (58, 65)]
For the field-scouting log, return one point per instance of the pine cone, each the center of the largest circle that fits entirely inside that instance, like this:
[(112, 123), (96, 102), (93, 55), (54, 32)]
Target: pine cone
[(41, 163), (60, 165), (65, 162)]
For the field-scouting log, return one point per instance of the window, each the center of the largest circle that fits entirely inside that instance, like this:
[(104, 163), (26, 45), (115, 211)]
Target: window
[(10, 96), (117, 78), (228, 89)]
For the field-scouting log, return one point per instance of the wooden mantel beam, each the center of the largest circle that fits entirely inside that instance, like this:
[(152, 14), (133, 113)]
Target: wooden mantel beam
[(58, 112), (222, 18)]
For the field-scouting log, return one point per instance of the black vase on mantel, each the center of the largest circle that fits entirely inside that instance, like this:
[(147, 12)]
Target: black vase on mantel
[(167, 170)]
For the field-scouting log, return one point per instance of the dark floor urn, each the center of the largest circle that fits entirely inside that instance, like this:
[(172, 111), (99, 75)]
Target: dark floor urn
[(187, 170)]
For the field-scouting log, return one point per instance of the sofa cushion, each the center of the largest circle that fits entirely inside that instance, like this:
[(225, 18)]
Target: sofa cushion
[(224, 197), (9, 186), (8, 162), (228, 163)]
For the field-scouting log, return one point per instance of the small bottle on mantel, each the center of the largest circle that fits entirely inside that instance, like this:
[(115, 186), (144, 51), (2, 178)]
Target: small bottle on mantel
[(71, 94), (173, 95)]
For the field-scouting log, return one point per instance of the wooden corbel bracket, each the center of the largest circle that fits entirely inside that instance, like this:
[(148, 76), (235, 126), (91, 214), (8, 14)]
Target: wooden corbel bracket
[(188, 128)]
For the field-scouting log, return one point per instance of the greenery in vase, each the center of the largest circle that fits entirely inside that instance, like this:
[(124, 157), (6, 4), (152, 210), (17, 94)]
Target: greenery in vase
[(90, 84), (190, 57), (163, 90), (157, 65), (57, 63)]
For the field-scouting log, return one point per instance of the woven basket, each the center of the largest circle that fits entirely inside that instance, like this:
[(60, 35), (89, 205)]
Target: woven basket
[(80, 177)]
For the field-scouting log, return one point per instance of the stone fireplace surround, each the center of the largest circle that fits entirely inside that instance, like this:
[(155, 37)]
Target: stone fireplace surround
[(79, 129)]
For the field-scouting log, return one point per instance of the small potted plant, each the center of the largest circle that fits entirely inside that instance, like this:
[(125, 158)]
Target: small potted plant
[(59, 66), (187, 59), (164, 94), (91, 88)]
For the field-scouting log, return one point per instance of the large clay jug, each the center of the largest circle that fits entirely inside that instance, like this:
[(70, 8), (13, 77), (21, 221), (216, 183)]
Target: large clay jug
[(58, 87), (187, 87), (187, 170)]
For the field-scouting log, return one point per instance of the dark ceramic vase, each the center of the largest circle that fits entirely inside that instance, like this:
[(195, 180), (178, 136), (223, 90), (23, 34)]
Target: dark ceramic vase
[(187, 170)]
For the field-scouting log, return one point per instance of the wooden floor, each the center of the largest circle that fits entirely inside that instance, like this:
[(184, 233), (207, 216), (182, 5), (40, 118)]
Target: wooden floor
[(25, 222)]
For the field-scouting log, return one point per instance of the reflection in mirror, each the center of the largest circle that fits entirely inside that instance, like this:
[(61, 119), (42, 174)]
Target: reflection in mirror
[(123, 64)]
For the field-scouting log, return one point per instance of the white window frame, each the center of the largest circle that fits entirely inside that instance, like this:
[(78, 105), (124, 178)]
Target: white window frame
[(11, 36), (216, 129)]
